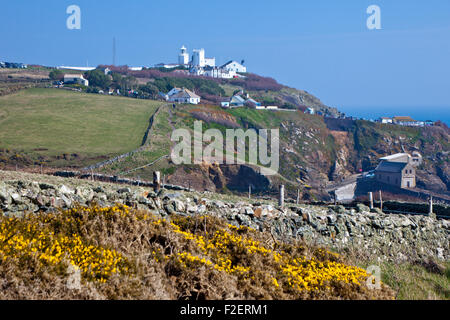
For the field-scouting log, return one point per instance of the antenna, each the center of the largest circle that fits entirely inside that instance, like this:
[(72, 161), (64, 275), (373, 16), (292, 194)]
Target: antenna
[(114, 51)]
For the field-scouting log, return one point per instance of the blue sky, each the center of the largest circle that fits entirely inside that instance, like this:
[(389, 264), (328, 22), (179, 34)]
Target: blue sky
[(321, 46)]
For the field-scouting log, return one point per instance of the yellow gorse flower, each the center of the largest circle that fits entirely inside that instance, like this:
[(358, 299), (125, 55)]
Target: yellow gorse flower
[(298, 274), (31, 237)]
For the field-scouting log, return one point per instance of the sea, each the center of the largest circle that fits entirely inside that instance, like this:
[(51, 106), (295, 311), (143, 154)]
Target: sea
[(417, 113)]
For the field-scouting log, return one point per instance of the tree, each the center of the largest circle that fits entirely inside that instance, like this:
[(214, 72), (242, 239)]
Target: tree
[(97, 78), (149, 88), (56, 75)]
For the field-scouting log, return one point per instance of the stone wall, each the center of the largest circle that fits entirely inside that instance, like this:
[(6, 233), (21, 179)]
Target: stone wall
[(385, 236)]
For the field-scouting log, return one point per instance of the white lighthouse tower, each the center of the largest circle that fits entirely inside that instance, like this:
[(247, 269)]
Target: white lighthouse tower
[(198, 58), (183, 57)]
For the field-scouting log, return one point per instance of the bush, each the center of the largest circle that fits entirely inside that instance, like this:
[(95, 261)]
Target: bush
[(56, 75), (257, 83), (202, 86), (97, 78)]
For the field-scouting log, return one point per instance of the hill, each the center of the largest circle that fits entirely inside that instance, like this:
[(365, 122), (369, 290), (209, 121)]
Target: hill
[(69, 129), (66, 128), (212, 91), (312, 153)]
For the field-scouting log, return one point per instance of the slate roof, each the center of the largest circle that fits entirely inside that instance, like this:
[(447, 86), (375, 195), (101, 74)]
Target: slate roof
[(185, 93), (393, 167)]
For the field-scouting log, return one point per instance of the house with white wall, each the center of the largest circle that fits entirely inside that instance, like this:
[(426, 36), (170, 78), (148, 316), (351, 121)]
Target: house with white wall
[(184, 96), (215, 72), (75, 79), (234, 66)]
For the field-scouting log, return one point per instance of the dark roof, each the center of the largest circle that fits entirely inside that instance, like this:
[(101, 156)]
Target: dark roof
[(394, 167), (229, 62)]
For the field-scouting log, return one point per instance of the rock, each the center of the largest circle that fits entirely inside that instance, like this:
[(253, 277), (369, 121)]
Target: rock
[(46, 186), (86, 194), (377, 224), (405, 222), (362, 208), (67, 201), (440, 253), (57, 202), (124, 190), (5, 196), (339, 209), (218, 204), (143, 200), (152, 194), (63, 189), (331, 219), (258, 212), (191, 208), (247, 210), (201, 209), (307, 217), (17, 199), (172, 196), (376, 210), (243, 220)]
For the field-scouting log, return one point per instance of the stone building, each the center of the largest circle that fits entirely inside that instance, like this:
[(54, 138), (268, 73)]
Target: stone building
[(397, 170)]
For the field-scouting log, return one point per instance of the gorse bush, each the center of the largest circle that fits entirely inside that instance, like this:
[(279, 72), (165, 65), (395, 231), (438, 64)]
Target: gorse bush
[(202, 86), (123, 253)]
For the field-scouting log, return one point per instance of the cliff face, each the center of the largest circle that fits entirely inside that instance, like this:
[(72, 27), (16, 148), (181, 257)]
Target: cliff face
[(317, 151)]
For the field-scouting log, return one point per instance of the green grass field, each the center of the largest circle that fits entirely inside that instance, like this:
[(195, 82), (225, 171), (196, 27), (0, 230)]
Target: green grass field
[(65, 122)]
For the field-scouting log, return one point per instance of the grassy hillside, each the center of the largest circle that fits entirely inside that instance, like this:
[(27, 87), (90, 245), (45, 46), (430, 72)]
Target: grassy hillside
[(62, 128), (50, 123)]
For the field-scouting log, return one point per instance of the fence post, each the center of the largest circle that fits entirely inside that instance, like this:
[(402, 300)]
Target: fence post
[(281, 196), (371, 200), (249, 191), (381, 201), (430, 212), (298, 196), (157, 180)]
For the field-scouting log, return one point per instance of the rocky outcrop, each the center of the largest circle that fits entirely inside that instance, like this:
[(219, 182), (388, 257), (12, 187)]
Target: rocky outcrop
[(387, 236)]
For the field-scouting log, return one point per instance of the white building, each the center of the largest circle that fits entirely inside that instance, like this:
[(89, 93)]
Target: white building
[(310, 111), (183, 57), (185, 96), (76, 68), (75, 79), (234, 66), (174, 91), (385, 120), (199, 59), (167, 65), (215, 72)]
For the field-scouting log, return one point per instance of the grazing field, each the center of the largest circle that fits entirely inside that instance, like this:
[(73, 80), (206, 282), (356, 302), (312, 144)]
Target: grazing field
[(52, 122)]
